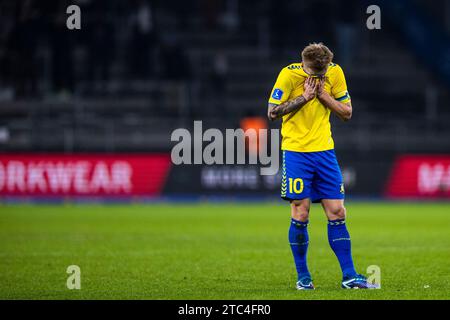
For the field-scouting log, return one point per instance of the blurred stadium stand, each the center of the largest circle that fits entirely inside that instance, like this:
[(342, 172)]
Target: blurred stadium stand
[(139, 69)]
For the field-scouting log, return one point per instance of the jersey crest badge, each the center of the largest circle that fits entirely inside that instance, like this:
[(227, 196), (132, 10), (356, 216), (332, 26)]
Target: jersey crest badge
[(277, 94)]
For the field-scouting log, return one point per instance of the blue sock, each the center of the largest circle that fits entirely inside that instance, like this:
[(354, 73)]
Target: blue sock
[(339, 240), (299, 240)]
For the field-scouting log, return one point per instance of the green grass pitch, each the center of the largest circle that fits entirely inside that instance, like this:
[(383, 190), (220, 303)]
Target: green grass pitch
[(216, 251)]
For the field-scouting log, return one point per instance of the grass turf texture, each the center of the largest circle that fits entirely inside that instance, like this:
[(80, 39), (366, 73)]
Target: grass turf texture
[(216, 251)]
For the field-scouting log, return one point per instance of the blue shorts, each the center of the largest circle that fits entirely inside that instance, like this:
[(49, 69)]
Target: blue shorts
[(314, 175)]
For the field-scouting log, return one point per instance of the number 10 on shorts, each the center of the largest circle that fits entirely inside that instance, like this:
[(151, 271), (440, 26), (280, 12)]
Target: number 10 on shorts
[(295, 185)]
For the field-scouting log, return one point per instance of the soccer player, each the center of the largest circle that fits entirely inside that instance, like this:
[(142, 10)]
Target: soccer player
[(304, 95)]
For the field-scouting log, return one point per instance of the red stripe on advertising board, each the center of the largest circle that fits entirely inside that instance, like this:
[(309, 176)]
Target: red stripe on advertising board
[(83, 174), (420, 176)]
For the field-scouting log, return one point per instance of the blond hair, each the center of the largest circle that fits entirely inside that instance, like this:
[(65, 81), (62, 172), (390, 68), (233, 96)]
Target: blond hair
[(317, 56)]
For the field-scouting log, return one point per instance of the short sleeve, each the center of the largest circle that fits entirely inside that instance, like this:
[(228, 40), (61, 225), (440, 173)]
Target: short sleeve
[(339, 87), (282, 88)]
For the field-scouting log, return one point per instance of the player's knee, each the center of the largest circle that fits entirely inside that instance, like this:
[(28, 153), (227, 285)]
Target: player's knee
[(337, 213), (300, 210), (341, 212)]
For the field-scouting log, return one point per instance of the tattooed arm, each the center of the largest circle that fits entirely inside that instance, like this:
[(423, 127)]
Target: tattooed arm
[(277, 111)]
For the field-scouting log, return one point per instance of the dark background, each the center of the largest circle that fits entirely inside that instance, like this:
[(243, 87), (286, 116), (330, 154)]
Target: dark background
[(137, 70)]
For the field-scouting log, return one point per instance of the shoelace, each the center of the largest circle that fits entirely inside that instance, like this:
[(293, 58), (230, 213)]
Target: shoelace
[(305, 282), (360, 277)]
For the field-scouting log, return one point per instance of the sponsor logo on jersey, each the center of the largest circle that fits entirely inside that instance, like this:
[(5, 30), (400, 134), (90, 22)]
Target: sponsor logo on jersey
[(277, 94)]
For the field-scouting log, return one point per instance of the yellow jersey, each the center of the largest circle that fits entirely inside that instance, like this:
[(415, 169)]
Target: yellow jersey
[(308, 130)]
